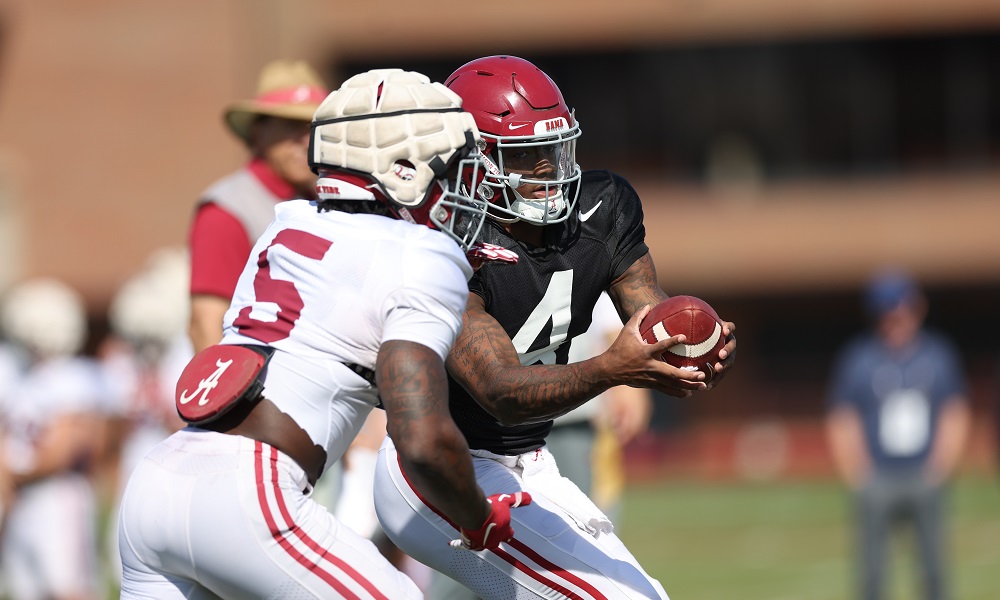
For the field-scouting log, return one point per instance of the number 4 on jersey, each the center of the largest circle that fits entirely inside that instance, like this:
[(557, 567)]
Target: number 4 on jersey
[(554, 306)]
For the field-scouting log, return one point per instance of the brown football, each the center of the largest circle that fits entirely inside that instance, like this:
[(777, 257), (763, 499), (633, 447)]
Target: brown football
[(692, 317)]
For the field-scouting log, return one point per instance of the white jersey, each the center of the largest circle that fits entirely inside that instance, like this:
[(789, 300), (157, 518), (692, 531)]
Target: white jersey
[(49, 544), (234, 516), (48, 391), (360, 280)]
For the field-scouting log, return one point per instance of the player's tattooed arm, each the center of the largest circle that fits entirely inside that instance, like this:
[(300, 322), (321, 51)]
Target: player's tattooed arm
[(636, 287), (484, 362), (434, 455)]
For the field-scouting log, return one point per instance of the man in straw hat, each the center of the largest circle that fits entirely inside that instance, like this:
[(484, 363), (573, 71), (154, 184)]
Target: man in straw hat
[(235, 210)]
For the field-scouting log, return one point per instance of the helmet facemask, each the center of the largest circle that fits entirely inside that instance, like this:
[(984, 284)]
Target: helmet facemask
[(529, 177)]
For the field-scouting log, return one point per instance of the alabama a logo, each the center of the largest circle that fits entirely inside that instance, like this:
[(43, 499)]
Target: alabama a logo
[(207, 384)]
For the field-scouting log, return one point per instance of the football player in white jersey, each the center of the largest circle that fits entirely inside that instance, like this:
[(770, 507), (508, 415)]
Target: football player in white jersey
[(53, 432), (346, 303)]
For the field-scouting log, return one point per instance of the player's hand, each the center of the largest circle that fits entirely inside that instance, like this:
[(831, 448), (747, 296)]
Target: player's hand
[(727, 354), (633, 362), (497, 527)]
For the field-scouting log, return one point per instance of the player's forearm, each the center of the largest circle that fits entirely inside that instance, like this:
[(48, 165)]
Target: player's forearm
[(439, 467), (516, 395), (436, 460), (433, 453), (484, 362), (636, 287)]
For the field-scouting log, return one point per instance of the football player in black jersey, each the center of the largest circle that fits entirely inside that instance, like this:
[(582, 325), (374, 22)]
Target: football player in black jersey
[(578, 234)]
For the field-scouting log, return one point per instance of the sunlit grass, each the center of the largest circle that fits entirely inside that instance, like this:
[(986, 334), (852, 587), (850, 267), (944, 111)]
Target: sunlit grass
[(792, 541)]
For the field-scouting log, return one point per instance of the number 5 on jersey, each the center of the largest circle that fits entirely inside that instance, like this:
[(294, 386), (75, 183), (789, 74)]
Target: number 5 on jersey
[(278, 293)]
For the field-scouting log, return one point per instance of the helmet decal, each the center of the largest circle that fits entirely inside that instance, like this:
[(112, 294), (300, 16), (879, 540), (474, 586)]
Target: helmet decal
[(404, 172), (551, 125)]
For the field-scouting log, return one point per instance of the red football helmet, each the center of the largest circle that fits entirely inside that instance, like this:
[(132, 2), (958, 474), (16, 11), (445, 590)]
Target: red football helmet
[(529, 139)]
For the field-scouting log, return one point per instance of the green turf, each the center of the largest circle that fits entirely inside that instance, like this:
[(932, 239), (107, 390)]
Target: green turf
[(792, 541)]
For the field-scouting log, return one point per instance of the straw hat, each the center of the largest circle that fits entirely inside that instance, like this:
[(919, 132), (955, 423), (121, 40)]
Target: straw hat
[(287, 89)]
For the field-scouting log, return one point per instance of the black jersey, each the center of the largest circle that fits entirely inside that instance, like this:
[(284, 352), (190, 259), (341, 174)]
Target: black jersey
[(548, 297)]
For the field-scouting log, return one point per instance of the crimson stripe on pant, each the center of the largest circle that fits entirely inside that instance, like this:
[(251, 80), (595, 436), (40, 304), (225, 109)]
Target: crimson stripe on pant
[(312, 565), (549, 566)]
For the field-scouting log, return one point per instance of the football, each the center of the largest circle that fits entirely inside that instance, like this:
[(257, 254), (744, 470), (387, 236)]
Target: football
[(692, 317)]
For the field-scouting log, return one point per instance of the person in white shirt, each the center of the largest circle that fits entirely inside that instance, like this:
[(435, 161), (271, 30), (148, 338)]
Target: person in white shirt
[(53, 433)]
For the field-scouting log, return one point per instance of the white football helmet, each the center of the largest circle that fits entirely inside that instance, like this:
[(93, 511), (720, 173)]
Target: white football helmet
[(529, 138), (152, 306), (393, 136), (45, 316)]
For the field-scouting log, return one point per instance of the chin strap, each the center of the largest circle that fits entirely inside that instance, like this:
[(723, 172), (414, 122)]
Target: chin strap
[(553, 206)]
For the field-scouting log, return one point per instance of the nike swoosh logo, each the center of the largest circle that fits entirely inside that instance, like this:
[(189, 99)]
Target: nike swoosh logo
[(589, 213), (688, 350), (513, 126)]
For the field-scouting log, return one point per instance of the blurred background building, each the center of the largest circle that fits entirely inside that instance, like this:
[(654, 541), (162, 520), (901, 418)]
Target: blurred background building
[(783, 150)]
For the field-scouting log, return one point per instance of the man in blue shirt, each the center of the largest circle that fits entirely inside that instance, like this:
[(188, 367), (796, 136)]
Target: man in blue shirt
[(897, 425)]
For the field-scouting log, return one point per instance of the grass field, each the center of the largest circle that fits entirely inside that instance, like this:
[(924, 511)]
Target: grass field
[(789, 541), (792, 541)]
